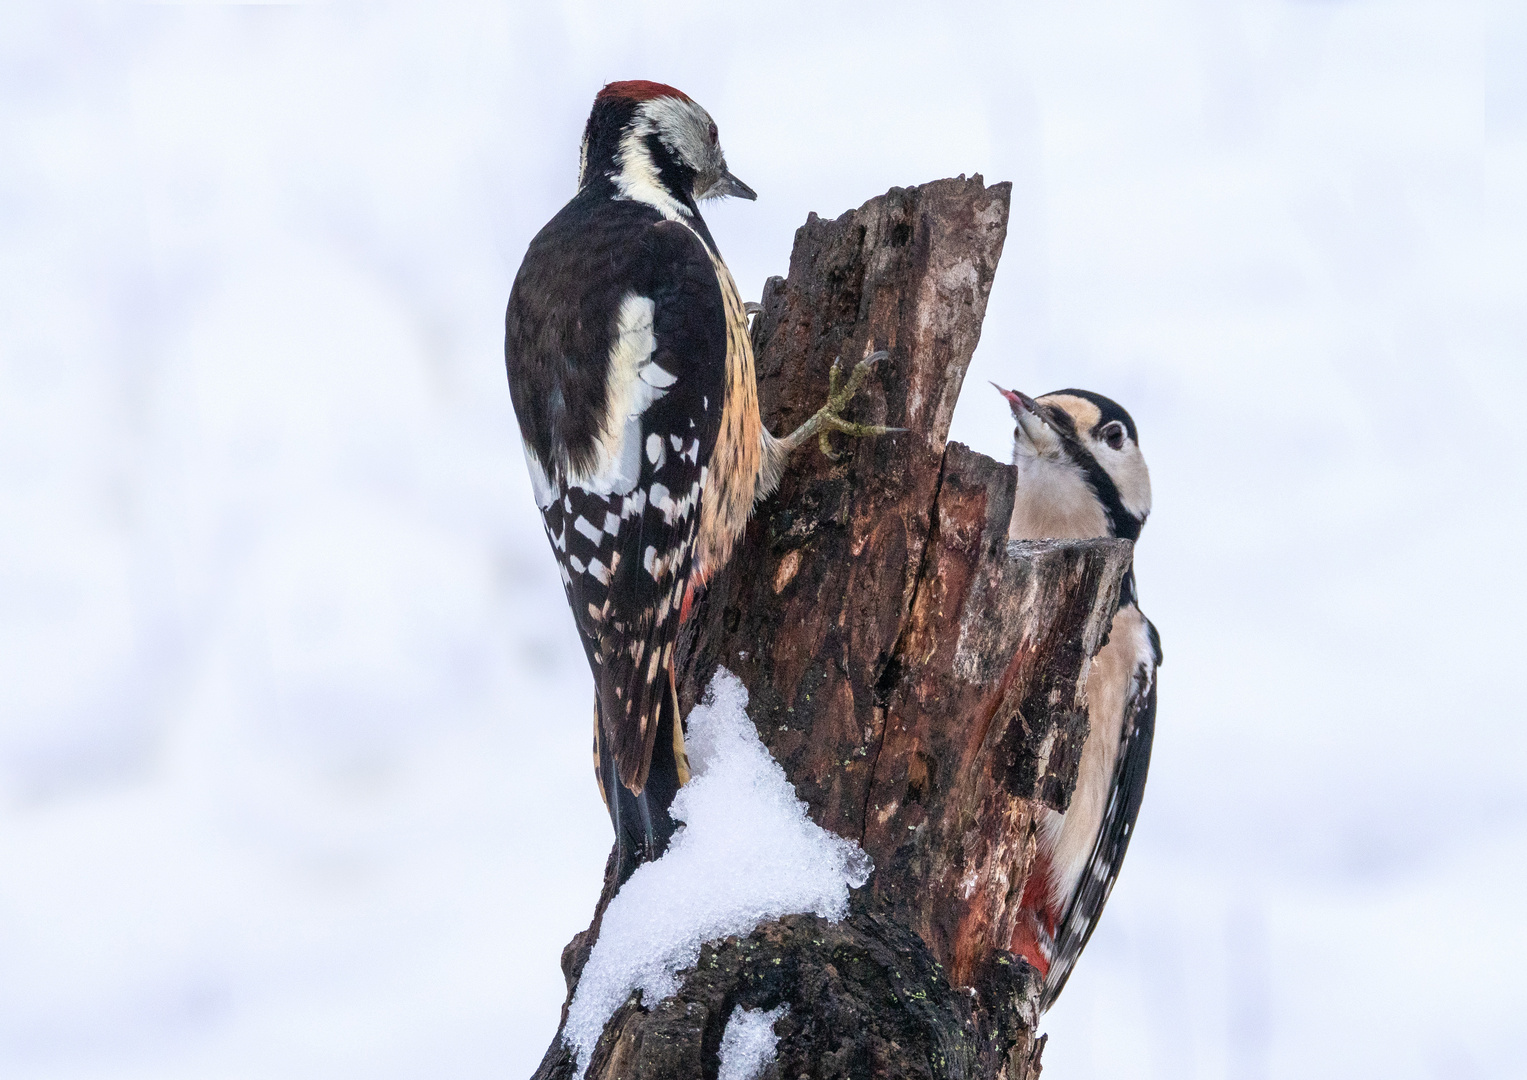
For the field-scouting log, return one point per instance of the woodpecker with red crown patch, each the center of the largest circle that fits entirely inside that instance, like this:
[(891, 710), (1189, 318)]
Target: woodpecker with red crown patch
[(1081, 475), (631, 370)]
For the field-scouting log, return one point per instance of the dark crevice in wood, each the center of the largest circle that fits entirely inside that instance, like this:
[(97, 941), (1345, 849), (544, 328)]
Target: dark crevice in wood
[(893, 671)]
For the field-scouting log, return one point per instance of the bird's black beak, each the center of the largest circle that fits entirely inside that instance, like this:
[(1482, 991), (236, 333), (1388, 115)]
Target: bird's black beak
[(1019, 401), (730, 185)]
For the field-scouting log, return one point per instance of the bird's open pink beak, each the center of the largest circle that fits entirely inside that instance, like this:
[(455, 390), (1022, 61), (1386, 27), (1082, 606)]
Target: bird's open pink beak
[(1019, 400)]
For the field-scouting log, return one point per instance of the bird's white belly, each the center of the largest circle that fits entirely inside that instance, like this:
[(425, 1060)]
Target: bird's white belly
[(1069, 837)]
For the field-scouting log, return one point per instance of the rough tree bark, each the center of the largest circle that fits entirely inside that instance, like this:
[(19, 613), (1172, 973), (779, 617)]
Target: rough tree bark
[(920, 679)]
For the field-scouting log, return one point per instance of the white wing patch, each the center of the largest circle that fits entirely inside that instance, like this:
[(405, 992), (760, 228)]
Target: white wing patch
[(634, 383), (659, 377), (546, 491)]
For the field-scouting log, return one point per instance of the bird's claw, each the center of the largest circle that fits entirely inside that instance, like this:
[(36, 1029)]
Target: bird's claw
[(839, 393), (856, 431)]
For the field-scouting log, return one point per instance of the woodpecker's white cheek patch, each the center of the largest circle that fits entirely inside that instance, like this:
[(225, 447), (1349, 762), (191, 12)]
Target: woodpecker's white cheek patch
[(684, 128), (1127, 470), (636, 176)]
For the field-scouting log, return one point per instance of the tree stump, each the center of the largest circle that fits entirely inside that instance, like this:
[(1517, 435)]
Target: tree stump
[(920, 679)]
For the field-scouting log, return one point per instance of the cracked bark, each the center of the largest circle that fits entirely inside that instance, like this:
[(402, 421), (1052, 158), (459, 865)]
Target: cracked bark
[(920, 679)]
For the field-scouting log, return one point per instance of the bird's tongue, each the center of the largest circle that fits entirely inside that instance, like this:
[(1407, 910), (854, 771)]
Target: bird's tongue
[(1019, 400)]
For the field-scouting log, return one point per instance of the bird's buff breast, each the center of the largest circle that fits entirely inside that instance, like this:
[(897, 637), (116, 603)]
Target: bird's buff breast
[(732, 480), (1109, 681)]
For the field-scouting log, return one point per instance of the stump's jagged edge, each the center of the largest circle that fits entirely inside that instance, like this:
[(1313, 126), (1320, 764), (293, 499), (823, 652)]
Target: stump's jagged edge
[(920, 680), (816, 596)]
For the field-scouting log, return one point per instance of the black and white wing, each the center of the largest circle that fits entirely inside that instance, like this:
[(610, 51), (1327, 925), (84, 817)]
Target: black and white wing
[(619, 399), (1118, 825)]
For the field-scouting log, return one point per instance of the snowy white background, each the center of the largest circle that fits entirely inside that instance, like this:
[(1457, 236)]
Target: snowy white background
[(294, 773)]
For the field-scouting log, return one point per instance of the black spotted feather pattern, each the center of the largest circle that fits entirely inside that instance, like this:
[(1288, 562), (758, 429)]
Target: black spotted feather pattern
[(625, 549)]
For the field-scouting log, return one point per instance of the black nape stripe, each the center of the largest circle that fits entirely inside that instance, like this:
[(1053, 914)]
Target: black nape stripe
[(601, 135), (1121, 522)]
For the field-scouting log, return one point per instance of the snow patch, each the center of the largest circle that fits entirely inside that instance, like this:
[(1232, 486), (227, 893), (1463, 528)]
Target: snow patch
[(747, 1046), (746, 854)]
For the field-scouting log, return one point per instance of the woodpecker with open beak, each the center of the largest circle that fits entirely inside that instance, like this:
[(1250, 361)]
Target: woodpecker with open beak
[(631, 369), (1081, 475)]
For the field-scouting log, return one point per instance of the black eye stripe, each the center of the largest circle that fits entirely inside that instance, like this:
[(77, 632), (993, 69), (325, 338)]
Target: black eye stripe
[(1059, 418)]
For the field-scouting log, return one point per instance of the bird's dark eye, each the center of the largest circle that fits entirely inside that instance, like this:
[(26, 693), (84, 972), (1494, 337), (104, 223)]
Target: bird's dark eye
[(1113, 434), (713, 133)]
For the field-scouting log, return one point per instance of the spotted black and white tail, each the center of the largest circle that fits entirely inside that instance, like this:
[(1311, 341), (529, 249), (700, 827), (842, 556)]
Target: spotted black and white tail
[(642, 823)]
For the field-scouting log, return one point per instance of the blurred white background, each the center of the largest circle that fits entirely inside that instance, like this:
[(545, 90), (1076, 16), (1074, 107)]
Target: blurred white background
[(294, 773)]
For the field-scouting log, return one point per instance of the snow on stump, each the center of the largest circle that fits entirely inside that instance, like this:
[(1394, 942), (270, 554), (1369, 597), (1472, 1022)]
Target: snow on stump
[(747, 854), (913, 677)]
